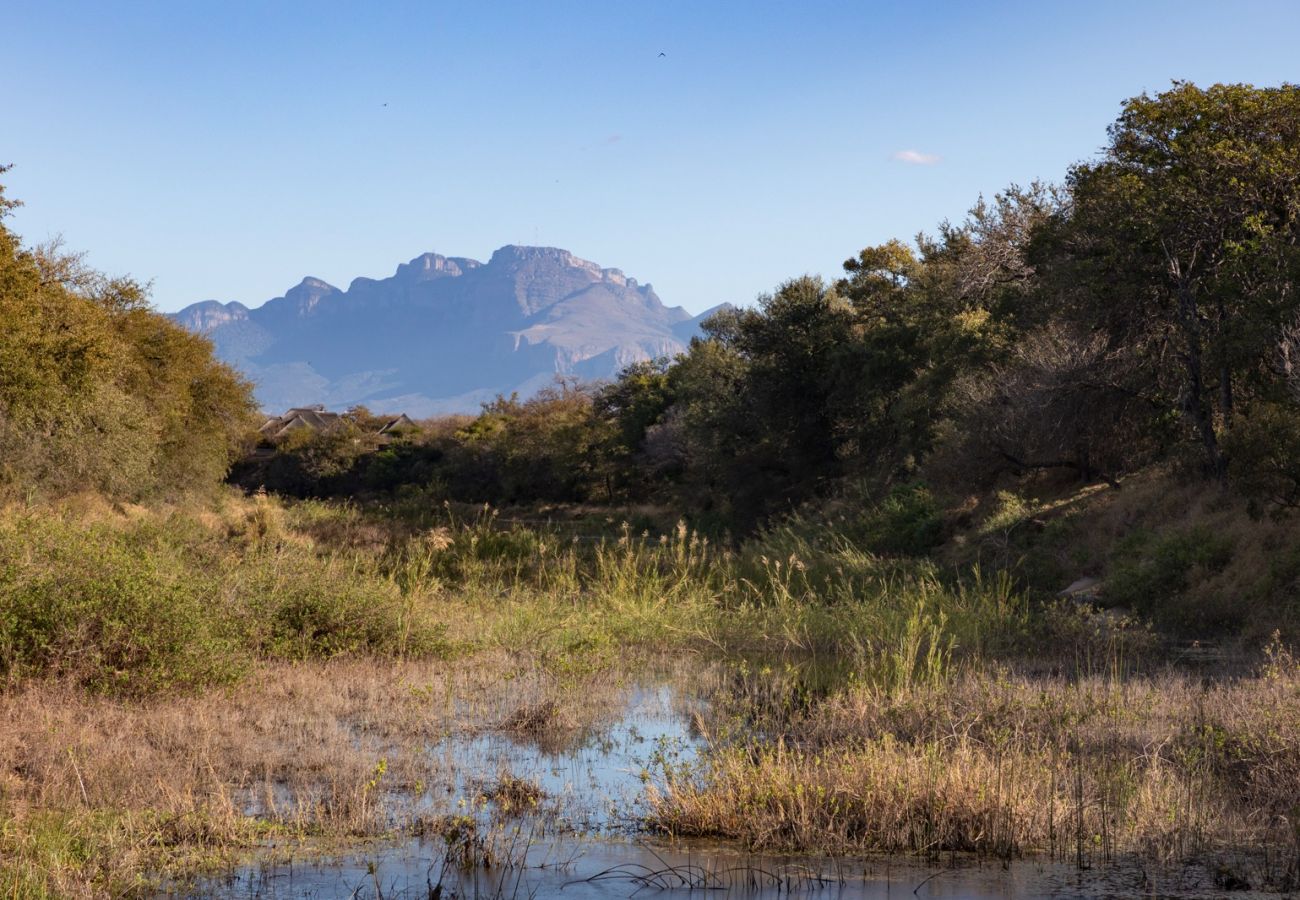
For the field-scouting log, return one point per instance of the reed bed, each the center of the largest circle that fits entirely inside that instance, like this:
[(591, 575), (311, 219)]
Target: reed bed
[(1168, 766)]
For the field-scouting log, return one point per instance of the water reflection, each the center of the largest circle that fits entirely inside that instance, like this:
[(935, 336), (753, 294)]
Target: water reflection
[(579, 835), (602, 870)]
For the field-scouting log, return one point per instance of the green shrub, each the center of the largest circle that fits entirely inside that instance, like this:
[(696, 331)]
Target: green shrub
[(83, 603), (160, 605), (300, 606), (1152, 573), (906, 523), (1262, 455)]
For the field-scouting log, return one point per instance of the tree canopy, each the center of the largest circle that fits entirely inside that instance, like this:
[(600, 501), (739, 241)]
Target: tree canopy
[(99, 392)]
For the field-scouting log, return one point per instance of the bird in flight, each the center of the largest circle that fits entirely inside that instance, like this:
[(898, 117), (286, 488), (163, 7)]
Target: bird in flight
[(661, 53)]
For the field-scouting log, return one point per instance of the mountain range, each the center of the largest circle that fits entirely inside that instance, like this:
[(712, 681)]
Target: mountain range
[(444, 334)]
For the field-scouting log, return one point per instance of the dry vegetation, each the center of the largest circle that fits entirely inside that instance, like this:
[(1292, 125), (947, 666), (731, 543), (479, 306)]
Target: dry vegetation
[(1167, 766), (1195, 559), (251, 678), (99, 795)]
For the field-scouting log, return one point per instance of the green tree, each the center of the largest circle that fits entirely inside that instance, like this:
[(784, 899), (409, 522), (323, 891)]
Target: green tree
[(99, 392), (631, 405), (1181, 241)]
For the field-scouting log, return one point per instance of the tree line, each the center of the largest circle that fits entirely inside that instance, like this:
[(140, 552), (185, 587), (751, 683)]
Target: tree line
[(1142, 310)]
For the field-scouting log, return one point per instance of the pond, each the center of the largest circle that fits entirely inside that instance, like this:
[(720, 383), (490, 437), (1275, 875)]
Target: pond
[(560, 815)]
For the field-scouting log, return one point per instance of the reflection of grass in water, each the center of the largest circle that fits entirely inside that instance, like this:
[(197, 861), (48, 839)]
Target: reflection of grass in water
[(715, 875), (471, 844), (549, 724)]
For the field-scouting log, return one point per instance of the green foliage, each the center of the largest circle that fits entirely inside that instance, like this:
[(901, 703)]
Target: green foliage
[(635, 401), (548, 447), (159, 605), (1182, 241), (98, 392), (1262, 454), (1151, 572), (298, 606), (120, 614), (768, 400), (908, 522), (317, 463)]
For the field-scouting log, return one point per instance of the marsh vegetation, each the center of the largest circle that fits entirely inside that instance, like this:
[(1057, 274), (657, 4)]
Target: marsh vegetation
[(827, 701)]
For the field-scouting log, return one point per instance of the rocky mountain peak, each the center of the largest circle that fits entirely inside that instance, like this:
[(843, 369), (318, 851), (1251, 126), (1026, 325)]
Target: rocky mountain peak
[(206, 315), (307, 294), (444, 334), (433, 265)]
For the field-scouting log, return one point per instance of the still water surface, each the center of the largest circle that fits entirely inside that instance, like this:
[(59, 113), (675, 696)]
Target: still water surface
[(583, 841)]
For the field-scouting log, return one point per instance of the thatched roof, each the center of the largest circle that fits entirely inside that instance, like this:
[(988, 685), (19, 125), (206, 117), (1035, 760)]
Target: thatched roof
[(317, 418), (402, 421), (321, 420)]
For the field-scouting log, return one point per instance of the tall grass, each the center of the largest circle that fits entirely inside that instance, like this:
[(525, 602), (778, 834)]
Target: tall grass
[(180, 599), (167, 602), (1082, 769), (921, 737)]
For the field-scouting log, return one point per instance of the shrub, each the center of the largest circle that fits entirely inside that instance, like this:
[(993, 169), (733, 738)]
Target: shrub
[(137, 608), (84, 603), (299, 606), (906, 523), (1262, 459), (1152, 573)]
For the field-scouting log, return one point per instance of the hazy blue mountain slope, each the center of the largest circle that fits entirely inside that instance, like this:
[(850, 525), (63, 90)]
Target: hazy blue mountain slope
[(444, 334)]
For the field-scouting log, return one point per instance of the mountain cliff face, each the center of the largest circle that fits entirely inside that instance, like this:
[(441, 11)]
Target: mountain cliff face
[(444, 334)]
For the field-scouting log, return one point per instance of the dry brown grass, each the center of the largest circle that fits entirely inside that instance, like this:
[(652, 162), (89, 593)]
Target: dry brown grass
[(512, 794), (933, 748), (307, 753), (1168, 767), (547, 724)]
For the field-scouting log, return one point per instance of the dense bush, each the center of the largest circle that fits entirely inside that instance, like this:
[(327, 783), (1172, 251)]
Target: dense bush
[(99, 392), (1263, 456), (908, 522), (122, 614), (298, 606), (130, 609), (1151, 573)]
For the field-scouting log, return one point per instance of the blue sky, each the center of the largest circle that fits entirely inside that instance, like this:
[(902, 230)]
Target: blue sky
[(225, 150)]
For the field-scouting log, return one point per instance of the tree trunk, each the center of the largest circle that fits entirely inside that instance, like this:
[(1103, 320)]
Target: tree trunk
[(1225, 395), (1196, 405)]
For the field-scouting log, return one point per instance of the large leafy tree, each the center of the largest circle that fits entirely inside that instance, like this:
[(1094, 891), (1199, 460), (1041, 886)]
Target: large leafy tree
[(1182, 242), (759, 401)]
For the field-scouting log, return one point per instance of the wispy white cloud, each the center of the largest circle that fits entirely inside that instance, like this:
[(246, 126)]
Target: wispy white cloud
[(917, 158)]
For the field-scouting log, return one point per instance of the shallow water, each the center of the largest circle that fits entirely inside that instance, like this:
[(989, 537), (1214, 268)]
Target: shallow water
[(582, 839), (595, 784), (591, 869)]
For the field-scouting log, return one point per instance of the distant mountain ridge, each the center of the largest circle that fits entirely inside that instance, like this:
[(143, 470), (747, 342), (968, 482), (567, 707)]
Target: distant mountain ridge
[(444, 334)]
